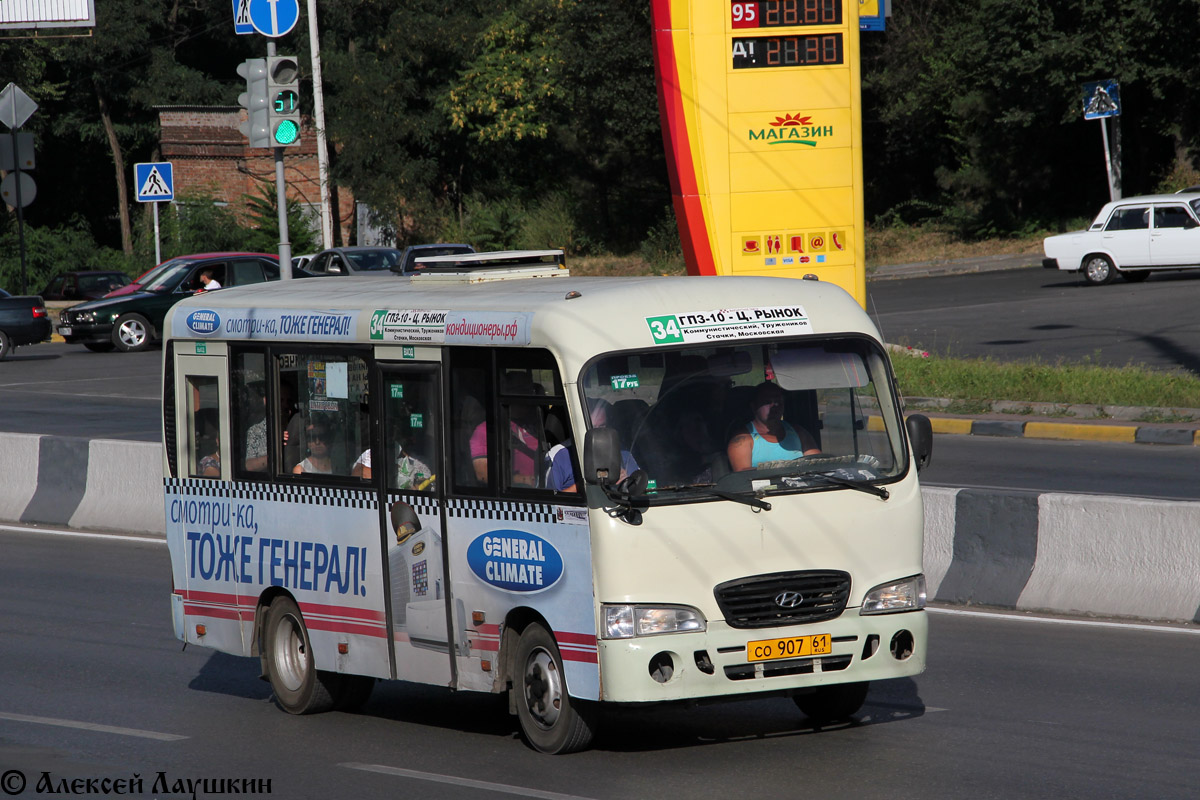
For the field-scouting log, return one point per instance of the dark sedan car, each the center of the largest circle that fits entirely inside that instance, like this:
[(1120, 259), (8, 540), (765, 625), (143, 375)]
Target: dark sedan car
[(83, 285), (352, 261), (23, 320), (133, 322)]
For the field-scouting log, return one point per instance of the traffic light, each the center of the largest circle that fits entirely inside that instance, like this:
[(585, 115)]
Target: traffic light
[(283, 87), (256, 101)]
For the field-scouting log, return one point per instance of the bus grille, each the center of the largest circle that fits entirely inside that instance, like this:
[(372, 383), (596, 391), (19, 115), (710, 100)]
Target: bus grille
[(783, 598)]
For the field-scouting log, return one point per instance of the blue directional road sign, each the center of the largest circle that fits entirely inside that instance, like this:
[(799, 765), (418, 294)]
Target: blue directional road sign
[(1101, 99), (155, 182), (274, 18), (241, 17)]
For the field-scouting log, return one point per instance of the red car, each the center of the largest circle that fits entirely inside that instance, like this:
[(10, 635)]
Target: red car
[(154, 272)]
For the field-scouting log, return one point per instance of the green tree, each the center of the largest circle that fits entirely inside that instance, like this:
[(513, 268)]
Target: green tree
[(978, 105), (97, 93)]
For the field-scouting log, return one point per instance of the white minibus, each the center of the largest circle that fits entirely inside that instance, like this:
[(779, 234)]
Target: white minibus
[(497, 477)]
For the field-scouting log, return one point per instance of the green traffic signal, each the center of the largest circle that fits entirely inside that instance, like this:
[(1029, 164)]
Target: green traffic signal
[(283, 83), (286, 132)]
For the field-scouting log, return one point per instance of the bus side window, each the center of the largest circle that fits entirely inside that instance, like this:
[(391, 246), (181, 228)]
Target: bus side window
[(505, 418), (249, 405), (469, 404), (203, 435), (323, 413), (411, 433)]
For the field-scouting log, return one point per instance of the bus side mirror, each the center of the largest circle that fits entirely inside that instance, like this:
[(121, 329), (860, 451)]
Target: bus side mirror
[(920, 435), (602, 456)]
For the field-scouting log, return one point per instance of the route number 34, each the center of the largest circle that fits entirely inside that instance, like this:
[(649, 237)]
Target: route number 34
[(665, 330)]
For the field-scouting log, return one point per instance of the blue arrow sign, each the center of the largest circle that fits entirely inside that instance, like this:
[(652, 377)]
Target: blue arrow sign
[(274, 18), (155, 182)]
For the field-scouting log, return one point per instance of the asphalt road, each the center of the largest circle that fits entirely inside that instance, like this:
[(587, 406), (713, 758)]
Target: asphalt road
[(68, 390), (1140, 470), (95, 686), (1044, 314)]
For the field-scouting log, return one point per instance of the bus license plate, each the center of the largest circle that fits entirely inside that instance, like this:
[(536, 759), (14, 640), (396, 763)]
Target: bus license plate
[(792, 647)]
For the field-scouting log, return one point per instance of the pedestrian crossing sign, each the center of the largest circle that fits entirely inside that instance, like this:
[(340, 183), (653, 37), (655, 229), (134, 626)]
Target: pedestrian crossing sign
[(155, 182)]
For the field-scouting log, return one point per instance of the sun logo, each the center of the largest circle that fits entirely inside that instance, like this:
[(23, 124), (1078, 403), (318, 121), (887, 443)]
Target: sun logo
[(788, 120)]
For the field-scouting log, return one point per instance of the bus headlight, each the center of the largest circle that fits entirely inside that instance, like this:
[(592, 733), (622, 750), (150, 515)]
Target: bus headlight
[(907, 594), (625, 622)]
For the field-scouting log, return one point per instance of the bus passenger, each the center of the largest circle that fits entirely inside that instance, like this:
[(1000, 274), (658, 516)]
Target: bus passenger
[(524, 446), (319, 461), (256, 434), (767, 436), (411, 472), (561, 475), (210, 465)]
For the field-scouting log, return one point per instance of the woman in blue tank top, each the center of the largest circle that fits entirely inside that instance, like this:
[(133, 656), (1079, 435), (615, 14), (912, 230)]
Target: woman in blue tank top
[(767, 437)]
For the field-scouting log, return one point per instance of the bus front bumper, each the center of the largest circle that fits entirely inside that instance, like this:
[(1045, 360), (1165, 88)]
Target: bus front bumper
[(718, 662)]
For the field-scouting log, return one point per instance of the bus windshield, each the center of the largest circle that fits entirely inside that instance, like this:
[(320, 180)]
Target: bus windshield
[(769, 417)]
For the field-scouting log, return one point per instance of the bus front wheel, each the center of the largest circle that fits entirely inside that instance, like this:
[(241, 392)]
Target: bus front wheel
[(552, 720), (833, 703), (300, 688)]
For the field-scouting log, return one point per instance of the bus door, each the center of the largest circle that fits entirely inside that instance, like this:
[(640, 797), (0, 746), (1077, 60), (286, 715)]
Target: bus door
[(198, 503), (408, 454)]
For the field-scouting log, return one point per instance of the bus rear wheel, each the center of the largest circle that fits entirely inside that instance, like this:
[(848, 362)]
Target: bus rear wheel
[(552, 721), (833, 703), (300, 688)]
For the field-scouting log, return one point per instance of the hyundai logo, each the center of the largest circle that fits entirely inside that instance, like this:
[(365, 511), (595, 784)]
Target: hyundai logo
[(788, 599)]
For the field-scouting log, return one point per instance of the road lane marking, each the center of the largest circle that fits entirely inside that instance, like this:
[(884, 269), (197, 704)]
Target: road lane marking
[(91, 726), (451, 779), (1017, 616), (81, 534)]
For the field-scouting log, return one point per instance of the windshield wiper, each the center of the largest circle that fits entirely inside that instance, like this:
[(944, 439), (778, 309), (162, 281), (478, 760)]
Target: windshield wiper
[(849, 483), (746, 498)]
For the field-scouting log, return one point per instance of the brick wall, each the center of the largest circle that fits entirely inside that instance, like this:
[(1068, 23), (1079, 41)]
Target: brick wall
[(210, 155)]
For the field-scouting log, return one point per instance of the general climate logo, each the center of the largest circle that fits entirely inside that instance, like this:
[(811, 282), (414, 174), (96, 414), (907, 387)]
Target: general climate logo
[(515, 561), (203, 322), (795, 128)]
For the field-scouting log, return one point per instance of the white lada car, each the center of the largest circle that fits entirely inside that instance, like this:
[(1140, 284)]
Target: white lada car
[(1131, 238)]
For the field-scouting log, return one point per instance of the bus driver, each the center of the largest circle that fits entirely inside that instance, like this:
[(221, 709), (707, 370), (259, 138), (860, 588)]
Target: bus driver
[(767, 436)]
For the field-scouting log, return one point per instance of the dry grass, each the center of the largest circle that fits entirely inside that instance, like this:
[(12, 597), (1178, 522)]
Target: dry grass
[(908, 245), (886, 246), (620, 266)]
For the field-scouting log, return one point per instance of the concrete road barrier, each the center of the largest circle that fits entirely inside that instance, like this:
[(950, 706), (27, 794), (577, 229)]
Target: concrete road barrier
[(18, 473), (1063, 553), (84, 483)]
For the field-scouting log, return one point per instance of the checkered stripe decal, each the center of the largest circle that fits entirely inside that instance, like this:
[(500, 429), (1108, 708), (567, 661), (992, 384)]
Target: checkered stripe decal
[(421, 503), (309, 495), (500, 510)]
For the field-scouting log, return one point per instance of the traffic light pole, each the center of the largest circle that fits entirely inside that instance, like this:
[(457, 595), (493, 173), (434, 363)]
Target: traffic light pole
[(285, 246)]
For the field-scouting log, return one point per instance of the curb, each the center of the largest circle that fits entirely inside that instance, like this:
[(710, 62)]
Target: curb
[(1074, 431), (1041, 429)]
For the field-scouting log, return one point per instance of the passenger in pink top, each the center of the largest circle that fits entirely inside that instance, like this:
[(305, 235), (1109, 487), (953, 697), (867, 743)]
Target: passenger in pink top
[(524, 451)]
